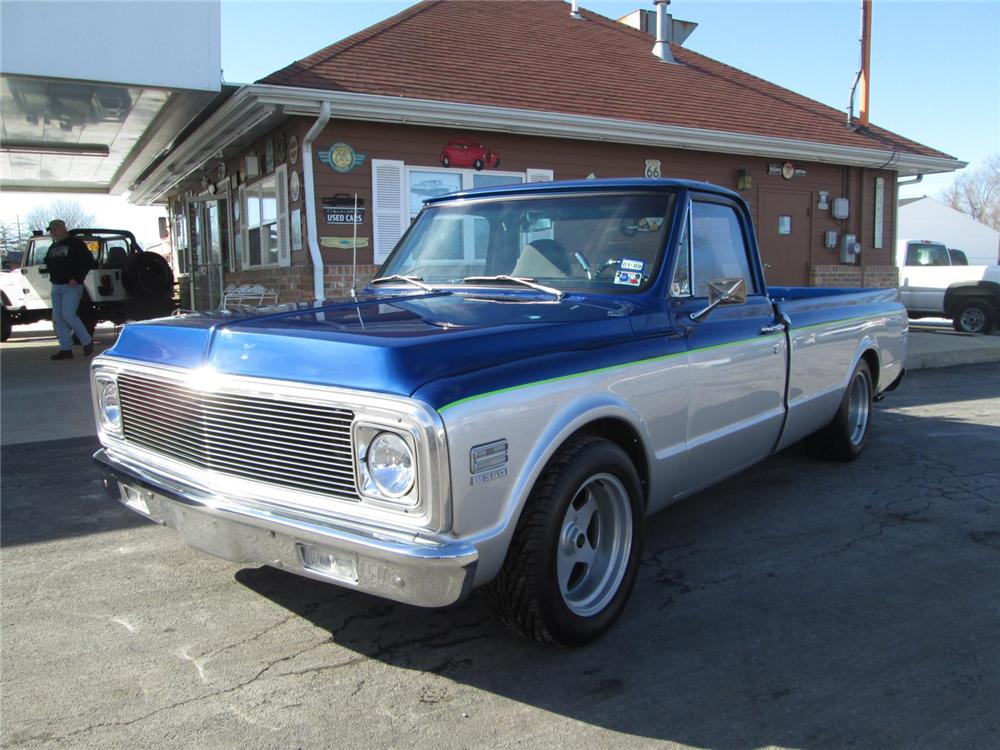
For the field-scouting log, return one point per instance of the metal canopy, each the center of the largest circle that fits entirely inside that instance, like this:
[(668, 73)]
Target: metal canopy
[(79, 136)]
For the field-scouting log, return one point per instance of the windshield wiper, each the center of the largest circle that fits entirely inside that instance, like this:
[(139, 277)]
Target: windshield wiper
[(517, 280), (415, 280)]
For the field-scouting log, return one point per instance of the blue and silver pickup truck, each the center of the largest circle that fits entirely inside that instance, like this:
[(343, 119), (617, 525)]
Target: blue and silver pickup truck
[(534, 370)]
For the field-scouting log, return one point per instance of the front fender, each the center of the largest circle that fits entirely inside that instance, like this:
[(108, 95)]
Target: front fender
[(536, 422)]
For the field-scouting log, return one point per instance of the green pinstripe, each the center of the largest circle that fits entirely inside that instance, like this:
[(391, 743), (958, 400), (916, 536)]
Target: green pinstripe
[(639, 362)]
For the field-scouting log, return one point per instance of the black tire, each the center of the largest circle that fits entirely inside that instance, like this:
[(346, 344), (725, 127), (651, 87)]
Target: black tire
[(845, 437), (148, 275), (445, 161), (527, 593), (478, 165), (497, 164), (6, 324), (974, 316)]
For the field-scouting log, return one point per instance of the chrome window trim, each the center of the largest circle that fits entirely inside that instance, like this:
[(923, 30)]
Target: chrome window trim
[(433, 509)]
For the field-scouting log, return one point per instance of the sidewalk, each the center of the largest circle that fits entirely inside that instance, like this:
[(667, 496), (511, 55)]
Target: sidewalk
[(934, 343)]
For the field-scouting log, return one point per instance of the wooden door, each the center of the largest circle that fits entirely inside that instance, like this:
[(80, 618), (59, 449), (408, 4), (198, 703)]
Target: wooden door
[(784, 233)]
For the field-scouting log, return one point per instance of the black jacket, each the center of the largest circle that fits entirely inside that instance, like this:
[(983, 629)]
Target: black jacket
[(68, 259)]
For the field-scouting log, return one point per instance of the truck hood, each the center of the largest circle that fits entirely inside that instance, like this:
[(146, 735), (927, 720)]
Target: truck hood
[(390, 344)]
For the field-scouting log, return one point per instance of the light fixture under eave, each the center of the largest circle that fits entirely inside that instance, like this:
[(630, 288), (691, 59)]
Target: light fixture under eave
[(55, 149)]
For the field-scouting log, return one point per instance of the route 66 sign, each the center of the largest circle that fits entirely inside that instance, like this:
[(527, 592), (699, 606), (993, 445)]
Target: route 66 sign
[(653, 168), (341, 157)]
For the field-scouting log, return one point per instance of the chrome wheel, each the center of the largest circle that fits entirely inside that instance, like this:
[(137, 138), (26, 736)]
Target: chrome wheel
[(972, 320), (858, 408), (594, 545)]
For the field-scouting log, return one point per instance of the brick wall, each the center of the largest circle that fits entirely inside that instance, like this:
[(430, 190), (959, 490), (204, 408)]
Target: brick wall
[(881, 277), (295, 283)]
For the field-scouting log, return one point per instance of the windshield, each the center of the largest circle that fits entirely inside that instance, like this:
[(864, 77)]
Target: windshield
[(605, 243)]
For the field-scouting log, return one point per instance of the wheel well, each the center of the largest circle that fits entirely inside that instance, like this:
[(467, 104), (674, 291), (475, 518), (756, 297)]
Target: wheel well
[(986, 291), (871, 359), (625, 437)]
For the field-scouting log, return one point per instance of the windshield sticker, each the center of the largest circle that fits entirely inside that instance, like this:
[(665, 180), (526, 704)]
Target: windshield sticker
[(629, 278), (628, 264)]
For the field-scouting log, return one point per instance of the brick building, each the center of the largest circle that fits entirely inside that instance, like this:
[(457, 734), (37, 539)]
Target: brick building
[(264, 190)]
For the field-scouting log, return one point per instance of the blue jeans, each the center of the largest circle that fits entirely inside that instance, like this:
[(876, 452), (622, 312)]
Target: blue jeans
[(65, 301)]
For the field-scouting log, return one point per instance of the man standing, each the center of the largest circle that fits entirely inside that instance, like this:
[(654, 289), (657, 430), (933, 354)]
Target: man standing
[(68, 262)]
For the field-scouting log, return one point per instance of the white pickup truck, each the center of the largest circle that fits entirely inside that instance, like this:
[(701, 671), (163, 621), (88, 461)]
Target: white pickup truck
[(128, 283), (931, 285)]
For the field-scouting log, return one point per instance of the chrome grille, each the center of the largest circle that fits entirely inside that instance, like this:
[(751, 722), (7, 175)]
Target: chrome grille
[(304, 446)]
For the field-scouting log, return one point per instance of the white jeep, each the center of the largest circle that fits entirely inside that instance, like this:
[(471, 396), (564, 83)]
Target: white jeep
[(127, 283)]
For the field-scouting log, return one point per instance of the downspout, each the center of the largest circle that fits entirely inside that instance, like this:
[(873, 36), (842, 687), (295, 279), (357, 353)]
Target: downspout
[(319, 290)]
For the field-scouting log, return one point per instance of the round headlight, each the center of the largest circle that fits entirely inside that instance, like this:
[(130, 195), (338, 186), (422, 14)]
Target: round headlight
[(390, 464), (109, 406)]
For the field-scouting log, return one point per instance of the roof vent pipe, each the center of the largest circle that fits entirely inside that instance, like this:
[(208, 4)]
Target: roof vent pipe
[(575, 13), (662, 47)]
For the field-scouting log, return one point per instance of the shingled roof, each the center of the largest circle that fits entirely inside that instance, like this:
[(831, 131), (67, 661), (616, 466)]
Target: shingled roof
[(530, 54)]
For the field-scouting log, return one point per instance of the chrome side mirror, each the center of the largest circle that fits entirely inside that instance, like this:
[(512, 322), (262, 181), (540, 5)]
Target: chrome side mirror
[(723, 292)]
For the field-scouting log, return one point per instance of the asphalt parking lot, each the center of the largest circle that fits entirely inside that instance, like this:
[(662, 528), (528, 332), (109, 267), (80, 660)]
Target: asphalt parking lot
[(802, 604)]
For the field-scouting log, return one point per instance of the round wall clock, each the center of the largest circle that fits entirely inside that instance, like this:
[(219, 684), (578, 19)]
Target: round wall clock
[(293, 149), (788, 170), (279, 147), (294, 186)]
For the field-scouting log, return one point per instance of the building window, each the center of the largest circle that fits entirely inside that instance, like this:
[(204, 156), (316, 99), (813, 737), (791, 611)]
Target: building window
[(179, 236), (261, 219), (428, 182)]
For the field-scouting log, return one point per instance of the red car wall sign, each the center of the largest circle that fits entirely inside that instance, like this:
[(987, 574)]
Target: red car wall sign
[(461, 152)]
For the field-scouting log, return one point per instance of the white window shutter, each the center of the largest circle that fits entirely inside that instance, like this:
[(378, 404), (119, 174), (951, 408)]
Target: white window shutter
[(389, 214), (243, 254), (539, 175), (284, 236)]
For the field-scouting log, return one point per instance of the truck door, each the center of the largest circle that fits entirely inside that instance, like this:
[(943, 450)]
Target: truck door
[(924, 276), (736, 353), (35, 276)]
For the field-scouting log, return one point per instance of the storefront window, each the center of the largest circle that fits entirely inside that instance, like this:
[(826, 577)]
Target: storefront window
[(262, 224), (429, 182)]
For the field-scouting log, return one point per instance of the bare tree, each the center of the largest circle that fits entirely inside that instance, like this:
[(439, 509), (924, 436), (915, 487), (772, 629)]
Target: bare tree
[(977, 193), (10, 239), (69, 211)]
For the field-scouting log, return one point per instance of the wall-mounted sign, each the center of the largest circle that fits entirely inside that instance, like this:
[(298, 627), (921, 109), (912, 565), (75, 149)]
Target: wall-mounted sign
[(340, 209), (341, 157), (462, 152), (279, 147), (269, 156), (774, 169), (653, 168), (343, 243), (296, 221), (823, 203), (220, 171), (294, 186), (879, 212), (591, 176), (788, 170), (293, 149)]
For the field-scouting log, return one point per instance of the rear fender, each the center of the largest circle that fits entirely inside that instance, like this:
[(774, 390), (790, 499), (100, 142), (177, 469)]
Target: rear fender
[(964, 290)]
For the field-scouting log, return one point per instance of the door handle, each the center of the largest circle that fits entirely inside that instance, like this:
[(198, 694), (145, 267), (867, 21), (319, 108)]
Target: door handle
[(776, 328)]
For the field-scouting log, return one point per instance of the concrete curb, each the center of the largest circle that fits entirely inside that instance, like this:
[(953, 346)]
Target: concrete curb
[(934, 348)]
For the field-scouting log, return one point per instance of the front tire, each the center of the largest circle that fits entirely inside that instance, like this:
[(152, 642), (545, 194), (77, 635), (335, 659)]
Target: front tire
[(575, 553), (845, 437), (974, 316)]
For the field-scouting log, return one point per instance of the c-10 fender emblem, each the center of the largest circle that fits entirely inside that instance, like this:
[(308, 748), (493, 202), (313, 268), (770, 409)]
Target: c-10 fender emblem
[(489, 476)]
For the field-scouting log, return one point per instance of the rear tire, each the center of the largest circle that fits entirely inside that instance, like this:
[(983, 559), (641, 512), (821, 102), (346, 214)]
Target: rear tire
[(575, 553), (974, 316), (845, 437)]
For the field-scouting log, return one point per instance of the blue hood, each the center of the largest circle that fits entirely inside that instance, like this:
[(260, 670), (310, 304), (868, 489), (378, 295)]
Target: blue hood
[(390, 344)]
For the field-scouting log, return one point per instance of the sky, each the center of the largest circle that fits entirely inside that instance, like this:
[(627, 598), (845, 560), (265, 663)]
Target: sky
[(935, 65)]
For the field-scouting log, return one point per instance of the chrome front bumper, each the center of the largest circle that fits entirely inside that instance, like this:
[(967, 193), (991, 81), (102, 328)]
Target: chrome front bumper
[(395, 565)]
